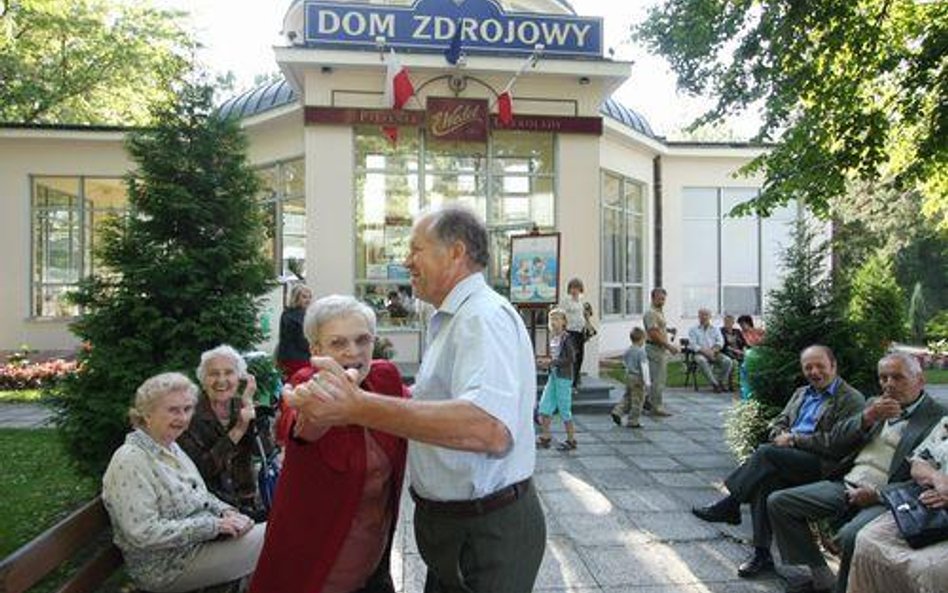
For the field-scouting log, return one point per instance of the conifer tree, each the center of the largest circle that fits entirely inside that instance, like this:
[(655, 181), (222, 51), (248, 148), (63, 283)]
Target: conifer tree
[(808, 308), (184, 270)]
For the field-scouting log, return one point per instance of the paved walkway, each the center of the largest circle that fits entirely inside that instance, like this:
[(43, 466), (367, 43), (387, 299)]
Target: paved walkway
[(617, 508)]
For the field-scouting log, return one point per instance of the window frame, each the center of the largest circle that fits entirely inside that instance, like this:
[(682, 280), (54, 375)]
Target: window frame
[(624, 211)]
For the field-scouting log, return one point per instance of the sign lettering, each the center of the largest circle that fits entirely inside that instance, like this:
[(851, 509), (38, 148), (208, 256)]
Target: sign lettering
[(432, 24)]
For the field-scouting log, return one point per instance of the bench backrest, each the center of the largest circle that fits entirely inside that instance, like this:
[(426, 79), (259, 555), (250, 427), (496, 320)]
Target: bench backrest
[(24, 568)]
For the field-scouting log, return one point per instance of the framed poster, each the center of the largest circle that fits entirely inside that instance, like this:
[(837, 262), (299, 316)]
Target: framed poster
[(535, 269)]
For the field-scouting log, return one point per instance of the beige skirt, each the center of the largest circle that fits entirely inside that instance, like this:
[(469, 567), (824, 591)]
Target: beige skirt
[(884, 563)]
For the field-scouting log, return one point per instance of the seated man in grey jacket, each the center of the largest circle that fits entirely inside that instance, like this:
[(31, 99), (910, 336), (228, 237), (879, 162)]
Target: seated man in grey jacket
[(798, 452), (880, 439)]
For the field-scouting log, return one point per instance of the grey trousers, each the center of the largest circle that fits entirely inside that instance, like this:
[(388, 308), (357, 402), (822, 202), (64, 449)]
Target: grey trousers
[(717, 371), (791, 509), (658, 372), (770, 468), (499, 552)]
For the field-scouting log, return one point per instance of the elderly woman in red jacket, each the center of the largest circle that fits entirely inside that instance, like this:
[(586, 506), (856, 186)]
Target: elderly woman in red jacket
[(331, 525)]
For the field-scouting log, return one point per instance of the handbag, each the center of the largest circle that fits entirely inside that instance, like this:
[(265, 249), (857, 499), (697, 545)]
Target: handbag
[(589, 330), (918, 524)]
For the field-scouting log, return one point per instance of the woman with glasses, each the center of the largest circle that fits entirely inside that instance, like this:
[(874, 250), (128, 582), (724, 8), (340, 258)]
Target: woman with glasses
[(331, 525)]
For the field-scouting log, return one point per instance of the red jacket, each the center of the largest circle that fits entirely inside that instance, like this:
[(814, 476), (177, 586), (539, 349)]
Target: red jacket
[(318, 493)]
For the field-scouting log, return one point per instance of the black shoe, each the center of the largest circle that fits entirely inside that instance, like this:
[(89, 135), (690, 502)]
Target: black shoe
[(617, 419), (726, 510), (805, 587), (759, 563), (646, 406)]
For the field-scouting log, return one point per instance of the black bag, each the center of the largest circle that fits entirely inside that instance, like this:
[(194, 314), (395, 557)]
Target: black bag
[(918, 524), (589, 330)]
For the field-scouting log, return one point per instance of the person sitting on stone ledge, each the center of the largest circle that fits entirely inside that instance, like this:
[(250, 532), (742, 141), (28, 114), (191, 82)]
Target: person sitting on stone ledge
[(798, 452)]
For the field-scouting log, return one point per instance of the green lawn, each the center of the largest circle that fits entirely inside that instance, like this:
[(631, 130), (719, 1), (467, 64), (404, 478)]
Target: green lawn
[(936, 376), (21, 396), (37, 485)]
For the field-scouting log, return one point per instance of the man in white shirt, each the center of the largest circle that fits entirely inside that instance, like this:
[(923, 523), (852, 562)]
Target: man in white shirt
[(478, 521), (707, 343)]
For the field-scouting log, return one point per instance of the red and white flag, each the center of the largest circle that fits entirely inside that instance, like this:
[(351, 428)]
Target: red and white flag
[(398, 89)]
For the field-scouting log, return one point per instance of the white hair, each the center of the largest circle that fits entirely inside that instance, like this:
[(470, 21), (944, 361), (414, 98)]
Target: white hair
[(331, 307), (153, 390), (222, 351)]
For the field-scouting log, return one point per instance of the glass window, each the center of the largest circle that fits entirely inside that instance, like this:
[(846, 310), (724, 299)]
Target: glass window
[(623, 251), (723, 264), (283, 198), (68, 215), (508, 181)]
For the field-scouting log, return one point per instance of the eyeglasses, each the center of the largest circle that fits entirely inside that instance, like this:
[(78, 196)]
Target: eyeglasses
[(343, 343)]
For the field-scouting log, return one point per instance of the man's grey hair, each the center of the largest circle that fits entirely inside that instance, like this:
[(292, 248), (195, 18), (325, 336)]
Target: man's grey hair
[(458, 223), (331, 307), (151, 392), (222, 351), (909, 362)]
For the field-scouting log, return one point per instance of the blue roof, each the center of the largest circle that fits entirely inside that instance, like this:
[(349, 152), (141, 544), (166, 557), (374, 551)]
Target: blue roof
[(263, 98), (622, 114), (280, 93)]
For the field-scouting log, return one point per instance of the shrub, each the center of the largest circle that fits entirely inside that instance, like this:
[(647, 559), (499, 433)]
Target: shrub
[(876, 307), (937, 327), (745, 426)]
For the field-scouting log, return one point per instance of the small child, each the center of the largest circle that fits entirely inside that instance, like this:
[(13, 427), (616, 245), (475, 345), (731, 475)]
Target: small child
[(558, 392), (636, 381)]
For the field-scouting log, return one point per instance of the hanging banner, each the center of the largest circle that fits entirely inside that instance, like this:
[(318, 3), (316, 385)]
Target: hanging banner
[(457, 119), (431, 24)]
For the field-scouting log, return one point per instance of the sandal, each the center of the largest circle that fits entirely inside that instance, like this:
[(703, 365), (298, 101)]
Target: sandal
[(567, 445), (544, 442)]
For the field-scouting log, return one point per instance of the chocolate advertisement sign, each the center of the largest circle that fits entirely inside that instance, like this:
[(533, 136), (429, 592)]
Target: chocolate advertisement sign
[(457, 119)]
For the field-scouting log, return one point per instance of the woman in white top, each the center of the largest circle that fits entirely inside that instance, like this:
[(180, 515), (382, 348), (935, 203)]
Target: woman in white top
[(578, 314)]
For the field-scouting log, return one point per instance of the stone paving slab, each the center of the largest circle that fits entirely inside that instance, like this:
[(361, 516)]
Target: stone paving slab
[(24, 416)]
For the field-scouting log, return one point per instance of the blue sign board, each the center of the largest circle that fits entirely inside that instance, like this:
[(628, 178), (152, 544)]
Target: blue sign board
[(432, 24)]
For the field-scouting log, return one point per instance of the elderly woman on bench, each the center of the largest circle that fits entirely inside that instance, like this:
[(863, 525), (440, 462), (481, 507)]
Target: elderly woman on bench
[(174, 534)]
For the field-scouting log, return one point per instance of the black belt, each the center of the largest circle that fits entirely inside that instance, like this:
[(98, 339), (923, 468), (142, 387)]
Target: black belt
[(473, 508)]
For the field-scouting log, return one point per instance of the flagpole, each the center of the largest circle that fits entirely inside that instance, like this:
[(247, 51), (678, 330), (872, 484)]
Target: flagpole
[(530, 62)]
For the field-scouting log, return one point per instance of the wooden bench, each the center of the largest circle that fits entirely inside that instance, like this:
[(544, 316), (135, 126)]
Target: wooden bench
[(84, 533)]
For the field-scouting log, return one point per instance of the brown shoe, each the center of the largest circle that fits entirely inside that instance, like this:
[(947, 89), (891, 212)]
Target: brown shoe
[(661, 413), (544, 442)]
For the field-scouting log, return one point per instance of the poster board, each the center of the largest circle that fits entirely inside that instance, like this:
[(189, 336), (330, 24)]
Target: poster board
[(535, 269)]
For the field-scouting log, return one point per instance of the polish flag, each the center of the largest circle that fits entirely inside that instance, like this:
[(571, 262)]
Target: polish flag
[(505, 108), (398, 89)]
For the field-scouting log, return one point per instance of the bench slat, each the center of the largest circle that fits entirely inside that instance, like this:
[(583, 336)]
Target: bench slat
[(24, 568), (94, 572)]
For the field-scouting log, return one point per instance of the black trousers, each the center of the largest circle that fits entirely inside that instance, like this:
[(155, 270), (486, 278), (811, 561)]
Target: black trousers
[(579, 342), (498, 552), (768, 469)]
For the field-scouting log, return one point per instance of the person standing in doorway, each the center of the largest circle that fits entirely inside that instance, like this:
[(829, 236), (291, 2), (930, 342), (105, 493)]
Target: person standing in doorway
[(471, 453), (292, 352), (658, 347), (575, 308)]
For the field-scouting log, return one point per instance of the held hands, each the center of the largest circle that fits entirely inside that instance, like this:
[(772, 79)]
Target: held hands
[(784, 439), (861, 496), (234, 524), (330, 397), (882, 408)]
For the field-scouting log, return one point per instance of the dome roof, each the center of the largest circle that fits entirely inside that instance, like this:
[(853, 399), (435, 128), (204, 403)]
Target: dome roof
[(263, 98), (279, 93), (631, 118)]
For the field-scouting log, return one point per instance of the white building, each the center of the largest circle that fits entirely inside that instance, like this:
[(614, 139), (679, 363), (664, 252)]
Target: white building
[(632, 210)]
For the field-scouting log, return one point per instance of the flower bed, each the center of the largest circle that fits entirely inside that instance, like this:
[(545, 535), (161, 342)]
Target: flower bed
[(34, 375)]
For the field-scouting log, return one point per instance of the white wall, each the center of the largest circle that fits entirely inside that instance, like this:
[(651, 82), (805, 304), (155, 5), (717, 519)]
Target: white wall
[(40, 152)]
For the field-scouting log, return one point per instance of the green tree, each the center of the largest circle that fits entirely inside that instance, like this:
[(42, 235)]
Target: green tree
[(88, 61), (185, 271), (848, 90), (807, 308), (877, 307)]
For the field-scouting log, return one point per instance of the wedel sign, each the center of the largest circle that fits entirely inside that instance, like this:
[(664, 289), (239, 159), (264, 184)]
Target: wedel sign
[(457, 119)]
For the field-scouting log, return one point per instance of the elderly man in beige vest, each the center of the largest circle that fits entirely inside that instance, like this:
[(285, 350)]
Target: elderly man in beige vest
[(880, 439)]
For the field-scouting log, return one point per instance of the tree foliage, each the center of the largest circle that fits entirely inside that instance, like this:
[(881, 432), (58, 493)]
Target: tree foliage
[(185, 270), (807, 308), (88, 61), (850, 90), (877, 307)]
